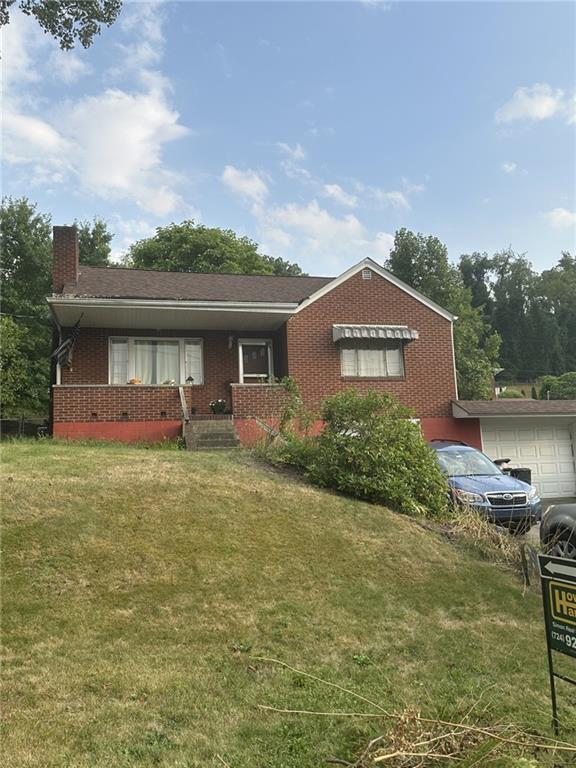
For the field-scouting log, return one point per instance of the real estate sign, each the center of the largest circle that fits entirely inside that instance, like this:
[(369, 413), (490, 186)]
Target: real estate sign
[(559, 596), (558, 579)]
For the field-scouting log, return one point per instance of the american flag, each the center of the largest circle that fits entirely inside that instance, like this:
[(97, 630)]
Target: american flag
[(63, 353)]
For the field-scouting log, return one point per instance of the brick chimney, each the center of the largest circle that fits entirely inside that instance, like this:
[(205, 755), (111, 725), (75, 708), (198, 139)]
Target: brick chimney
[(65, 260)]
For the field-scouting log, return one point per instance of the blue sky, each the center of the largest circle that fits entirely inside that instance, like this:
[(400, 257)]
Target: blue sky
[(318, 129)]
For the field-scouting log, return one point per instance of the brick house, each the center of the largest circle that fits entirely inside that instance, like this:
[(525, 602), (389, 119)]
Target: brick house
[(156, 347)]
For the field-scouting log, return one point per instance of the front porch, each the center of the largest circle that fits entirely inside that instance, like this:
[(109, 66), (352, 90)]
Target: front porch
[(138, 412)]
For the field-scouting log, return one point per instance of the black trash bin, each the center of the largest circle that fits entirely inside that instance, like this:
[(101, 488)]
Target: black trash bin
[(521, 473)]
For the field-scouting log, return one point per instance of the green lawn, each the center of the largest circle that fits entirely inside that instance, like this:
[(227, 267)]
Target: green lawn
[(139, 585)]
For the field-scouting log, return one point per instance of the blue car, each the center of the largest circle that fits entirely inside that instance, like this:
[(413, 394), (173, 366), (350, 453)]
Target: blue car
[(476, 481)]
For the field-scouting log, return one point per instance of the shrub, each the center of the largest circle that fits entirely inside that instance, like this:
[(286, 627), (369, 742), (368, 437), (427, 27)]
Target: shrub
[(514, 393), (299, 452), (370, 449), (564, 387)]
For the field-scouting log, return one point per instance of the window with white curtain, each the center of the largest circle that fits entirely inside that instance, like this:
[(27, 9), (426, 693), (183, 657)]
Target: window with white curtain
[(156, 361), (371, 359)]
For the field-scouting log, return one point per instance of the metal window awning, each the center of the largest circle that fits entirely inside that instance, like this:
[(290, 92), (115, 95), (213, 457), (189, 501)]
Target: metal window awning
[(400, 332)]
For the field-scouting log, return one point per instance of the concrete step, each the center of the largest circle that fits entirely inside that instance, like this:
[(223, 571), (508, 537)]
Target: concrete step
[(210, 435), (216, 439), (209, 427), (214, 447)]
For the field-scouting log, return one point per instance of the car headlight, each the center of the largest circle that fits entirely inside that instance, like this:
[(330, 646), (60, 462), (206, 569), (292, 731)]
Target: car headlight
[(467, 497), (532, 493)]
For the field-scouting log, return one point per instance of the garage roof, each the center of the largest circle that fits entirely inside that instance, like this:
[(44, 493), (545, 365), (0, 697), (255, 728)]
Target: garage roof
[(469, 409)]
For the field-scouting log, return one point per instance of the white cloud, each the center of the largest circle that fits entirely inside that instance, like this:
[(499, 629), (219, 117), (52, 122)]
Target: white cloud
[(275, 239), (335, 192), (537, 102), (248, 184), (27, 136), (571, 110), (67, 66), (21, 40), (315, 222), (394, 199), (128, 231), (144, 21), (561, 218), (294, 153), (508, 167), (309, 230), (376, 5), (109, 144), (410, 188)]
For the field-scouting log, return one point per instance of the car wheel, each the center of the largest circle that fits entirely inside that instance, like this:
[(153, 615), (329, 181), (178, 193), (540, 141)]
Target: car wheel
[(562, 544)]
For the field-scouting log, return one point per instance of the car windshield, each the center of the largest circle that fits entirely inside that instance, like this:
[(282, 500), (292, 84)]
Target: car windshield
[(458, 463)]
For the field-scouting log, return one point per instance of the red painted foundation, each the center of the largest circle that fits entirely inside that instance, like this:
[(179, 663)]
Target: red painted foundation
[(123, 431), (465, 430), (249, 430)]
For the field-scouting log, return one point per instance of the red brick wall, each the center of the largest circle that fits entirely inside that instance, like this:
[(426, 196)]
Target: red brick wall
[(90, 359), (65, 261), (124, 431), (314, 359), (449, 428), (98, 404), (263, 400)]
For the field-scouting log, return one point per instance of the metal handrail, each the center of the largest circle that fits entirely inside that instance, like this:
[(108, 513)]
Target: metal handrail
[(184, 404)]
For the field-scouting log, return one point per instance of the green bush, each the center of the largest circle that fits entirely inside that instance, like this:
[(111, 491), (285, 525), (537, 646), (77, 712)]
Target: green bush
[(297, 451), (370, 449), (564, 387), (514, 393)]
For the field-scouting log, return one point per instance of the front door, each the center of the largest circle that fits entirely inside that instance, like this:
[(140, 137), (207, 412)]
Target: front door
[(255, 361)]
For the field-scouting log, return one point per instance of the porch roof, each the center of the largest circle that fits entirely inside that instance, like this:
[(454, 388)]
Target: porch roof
[(162, 314)]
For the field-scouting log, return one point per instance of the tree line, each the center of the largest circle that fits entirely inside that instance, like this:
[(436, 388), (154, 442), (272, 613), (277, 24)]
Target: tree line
[(509, 316)]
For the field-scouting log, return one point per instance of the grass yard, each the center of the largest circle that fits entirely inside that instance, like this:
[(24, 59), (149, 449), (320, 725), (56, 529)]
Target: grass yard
[(140, 585)]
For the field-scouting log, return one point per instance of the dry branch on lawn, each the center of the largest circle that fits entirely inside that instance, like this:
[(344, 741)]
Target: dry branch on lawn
[(409, 743)]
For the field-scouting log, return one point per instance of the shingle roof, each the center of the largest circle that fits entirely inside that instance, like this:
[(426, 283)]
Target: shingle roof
[(509, 407), (119, 282)]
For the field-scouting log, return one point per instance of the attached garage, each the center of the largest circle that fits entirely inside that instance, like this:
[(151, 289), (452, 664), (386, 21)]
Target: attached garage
[(531, 433)]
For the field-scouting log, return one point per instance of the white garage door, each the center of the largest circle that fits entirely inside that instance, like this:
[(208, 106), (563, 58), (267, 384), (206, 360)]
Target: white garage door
[(543, 445)]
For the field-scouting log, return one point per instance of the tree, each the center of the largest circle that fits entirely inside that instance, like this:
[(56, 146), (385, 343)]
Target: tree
[(26, 267), (422, 262), (557, 289), (26, 245), (94, 241), (26, 275), (476, 269), (191, 247), (24, 367), (513, 287), (67, 21), (559, 387)]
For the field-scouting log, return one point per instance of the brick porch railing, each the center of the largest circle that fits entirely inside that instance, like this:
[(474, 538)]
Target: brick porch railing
[(265, 401), (102, 402)]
